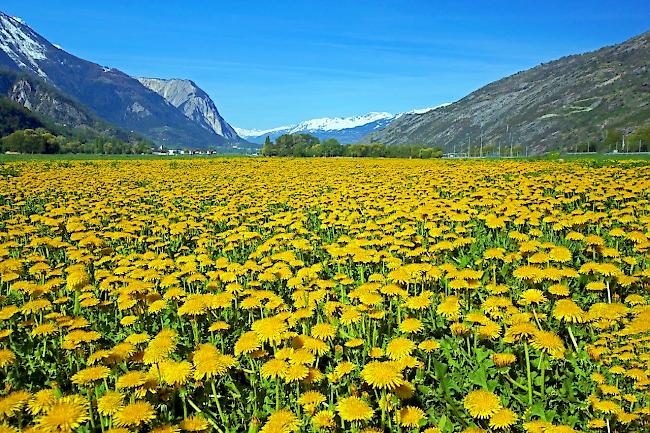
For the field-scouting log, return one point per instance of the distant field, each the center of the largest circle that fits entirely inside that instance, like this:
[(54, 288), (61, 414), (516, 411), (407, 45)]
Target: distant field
[(82, 157)]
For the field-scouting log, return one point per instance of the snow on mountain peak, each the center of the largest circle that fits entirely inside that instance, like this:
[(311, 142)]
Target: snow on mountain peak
[(325, 124), (338, 123), (21, 44), (243, 132), (425, 110), (319, 124)]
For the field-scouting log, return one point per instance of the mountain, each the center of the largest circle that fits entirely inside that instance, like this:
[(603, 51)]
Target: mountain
[(197, 106), (346, 130), (110, 93), (551, 106), (50, 107)]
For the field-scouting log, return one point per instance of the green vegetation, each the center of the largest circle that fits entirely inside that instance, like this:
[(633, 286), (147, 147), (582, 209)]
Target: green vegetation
[(14, 117), (614, 139), (42, 141), (27, 132), (302, 145)]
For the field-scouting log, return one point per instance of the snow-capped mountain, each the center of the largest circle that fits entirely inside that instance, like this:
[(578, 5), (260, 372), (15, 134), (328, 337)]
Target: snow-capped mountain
[(346, 130), (193, 102), (110, 93), (21, 45)]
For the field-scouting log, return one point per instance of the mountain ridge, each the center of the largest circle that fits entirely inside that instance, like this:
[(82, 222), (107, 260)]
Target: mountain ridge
[(110, 93), (554, 105), (51, 105), (194, 102), (346, 130)]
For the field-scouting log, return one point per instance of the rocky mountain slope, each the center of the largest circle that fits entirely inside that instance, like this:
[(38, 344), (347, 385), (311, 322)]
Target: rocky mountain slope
[(37, 96), (194, 103), (551, 106), (346, 130), (110, 93), (52, 106)]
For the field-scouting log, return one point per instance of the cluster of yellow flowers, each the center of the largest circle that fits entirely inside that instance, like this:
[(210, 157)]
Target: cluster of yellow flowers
[(245, 295)]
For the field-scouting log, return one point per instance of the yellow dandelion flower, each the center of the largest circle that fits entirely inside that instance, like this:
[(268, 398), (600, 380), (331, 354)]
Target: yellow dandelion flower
[(548, 342), (134, 414), (109, 403), (354, 409), (399, 348), (323, 331), (481, 403), (382, 375), (247, 343), (283, 421), (13, 403), (410, 416), (410, 325), (7, 357), (65, 415), (503, 359), (323, 420), (274, 368), (502, 419), (41, 401), (90, 374), (209, 362), (194, 423), (175, 373), (295, 372)]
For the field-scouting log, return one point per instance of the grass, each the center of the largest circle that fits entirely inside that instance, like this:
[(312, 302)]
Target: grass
[(86, 157), (92, 156)]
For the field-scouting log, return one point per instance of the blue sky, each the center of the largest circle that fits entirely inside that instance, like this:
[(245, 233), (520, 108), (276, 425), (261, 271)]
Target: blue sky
[(272, 63)]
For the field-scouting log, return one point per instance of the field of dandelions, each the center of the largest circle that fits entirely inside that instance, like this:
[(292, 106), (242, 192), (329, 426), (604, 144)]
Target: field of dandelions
[(341, 295)]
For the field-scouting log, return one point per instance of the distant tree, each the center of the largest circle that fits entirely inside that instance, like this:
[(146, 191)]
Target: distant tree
[(31, 141), (331, 147), (612, 138), (639, 140)]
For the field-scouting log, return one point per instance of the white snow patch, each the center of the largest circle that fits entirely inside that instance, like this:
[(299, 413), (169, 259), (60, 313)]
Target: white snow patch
[(243, 132), (57, 46), (339, 123), (333, 123), (19, 43), (424, 110), (320, 124), (20, 20)]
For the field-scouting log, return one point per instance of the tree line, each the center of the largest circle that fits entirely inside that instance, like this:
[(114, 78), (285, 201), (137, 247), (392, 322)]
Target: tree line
[(25, 131), (41, 140), (306, 145), (613, 139)]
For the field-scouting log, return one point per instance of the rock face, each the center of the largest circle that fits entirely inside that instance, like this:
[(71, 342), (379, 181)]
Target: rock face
[(551, 106), (111, 94), (53, 106), (194, 103)]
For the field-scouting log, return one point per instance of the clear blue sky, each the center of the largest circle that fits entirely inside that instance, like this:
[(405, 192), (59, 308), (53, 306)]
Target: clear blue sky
[(271, 63)]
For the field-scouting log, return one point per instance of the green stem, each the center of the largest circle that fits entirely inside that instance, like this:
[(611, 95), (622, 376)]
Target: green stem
[(90, 408), (542, 372), (528, 376), (216, 400), (382, 403), (573, 339)]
